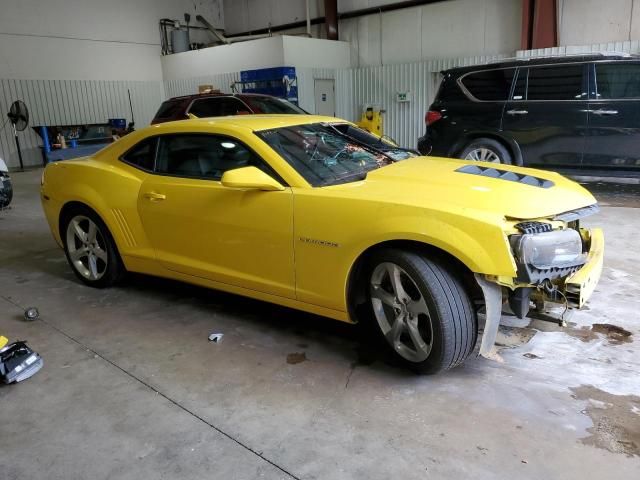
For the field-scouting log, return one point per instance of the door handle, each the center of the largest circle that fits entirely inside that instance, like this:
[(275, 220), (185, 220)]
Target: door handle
[(604, 112), (517, 112), (155, 197)]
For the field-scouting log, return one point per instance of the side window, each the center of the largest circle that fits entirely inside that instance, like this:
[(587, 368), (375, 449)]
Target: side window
[(168, 109), (490, 85), (560, 82), (203, 156), (218, 107), (206, 107), (618, 80), (233, 106), (142, 155)]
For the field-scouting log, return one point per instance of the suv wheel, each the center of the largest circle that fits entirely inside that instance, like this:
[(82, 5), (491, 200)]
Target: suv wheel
[(421, 310), (486, 150)]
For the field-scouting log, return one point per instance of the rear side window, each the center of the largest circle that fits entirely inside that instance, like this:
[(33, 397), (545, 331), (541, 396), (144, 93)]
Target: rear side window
[(558, 82), (142, 155), (490, 85), (218, 107), (618, 80), (449, 90), (273, 105), (203, 156), (168, 109)]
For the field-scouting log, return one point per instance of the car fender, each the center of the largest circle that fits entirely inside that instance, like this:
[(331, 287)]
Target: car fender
[(111, 193), (487, 251)]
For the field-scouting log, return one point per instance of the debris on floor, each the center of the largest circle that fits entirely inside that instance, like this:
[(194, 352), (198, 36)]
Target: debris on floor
[(216, 337), (18, 362), (616, 424), (616, 334), (296, 357), (31, 314), (530, 355), (512, 337)]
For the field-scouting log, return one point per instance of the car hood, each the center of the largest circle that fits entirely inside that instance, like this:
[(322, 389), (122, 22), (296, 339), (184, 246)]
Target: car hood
[(500, 190)]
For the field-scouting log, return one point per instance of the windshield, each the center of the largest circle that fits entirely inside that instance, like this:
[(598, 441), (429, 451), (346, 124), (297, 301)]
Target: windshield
[(272, 105), (322, 155), (378, 143)]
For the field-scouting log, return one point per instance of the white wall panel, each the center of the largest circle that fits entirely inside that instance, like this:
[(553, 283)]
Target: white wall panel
[(61, 102), (91, 39), (452, 28), (597, 21)]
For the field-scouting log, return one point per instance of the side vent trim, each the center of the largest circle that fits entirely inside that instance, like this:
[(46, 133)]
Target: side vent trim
[(127, 234)]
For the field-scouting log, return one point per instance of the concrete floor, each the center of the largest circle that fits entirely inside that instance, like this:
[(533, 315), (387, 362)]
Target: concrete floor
[(132, 388)]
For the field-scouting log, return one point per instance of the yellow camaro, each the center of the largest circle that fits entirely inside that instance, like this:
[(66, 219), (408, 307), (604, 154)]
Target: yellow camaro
[(291, 210)]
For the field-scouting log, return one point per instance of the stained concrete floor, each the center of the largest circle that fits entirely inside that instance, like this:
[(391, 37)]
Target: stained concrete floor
[(132, 388)]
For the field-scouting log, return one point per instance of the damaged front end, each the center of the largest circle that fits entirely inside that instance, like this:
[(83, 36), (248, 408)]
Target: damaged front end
[(556, 261)]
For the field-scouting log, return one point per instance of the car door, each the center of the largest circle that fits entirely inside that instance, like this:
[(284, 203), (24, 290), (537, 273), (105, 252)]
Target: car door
[(217, 107), (614, 117), (547, 114), (199, 227)]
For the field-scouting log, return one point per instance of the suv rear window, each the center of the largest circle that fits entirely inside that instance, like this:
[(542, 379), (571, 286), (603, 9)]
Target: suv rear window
[(490, 85), (618, 80)]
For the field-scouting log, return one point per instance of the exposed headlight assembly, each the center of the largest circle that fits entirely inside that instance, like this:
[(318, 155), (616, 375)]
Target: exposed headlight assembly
[(547, 255)]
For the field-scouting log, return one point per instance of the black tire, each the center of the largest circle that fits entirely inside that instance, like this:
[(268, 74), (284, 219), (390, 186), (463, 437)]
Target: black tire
[(495, 147), (113, 267), (6, 192), (454, 328)]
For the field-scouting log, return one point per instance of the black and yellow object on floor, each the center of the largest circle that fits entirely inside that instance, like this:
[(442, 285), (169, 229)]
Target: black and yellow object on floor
[(17, 361)]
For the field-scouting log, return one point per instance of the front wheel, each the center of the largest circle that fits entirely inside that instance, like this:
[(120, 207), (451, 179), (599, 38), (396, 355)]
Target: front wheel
[(422, 310), (486, 150), (90, 249)]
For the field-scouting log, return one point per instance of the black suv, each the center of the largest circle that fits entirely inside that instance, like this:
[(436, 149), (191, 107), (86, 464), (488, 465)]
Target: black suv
[(567, 113)]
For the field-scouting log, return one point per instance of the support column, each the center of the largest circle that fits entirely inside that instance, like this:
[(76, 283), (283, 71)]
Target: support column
[(539, 24)]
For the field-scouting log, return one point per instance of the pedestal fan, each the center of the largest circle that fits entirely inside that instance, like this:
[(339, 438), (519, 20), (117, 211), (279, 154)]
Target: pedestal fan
[(19, 117)]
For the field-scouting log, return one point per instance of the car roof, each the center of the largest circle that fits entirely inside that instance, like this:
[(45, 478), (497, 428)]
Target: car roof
[(549, 60), (253, 122), (218, 94)]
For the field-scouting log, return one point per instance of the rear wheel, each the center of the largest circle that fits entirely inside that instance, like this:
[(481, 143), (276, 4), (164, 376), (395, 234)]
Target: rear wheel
[(486, 150), (90, 248), (422, 310)]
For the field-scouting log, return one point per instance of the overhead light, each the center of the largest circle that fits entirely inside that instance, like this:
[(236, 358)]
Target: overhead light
[(228, 145)]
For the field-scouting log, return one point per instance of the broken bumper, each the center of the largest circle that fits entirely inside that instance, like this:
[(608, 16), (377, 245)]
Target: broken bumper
[(580, 285)]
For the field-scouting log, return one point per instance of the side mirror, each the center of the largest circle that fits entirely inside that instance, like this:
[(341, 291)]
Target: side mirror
[(250, 178)]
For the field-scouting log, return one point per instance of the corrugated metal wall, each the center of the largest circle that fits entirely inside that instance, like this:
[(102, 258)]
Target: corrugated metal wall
[(403, 121), (61, 102), (620, 47)]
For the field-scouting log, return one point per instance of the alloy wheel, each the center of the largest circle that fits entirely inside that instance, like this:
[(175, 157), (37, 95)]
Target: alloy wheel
[(401, 312), (86, 248), (483, 155)]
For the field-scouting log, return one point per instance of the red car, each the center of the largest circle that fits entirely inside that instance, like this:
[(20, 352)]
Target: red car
[(222, 104)]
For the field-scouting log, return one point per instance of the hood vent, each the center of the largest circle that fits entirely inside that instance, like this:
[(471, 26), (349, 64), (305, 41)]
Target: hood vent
[(506, 175)]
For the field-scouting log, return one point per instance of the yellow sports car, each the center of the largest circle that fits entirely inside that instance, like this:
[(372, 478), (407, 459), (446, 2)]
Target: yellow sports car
[(292, 210)]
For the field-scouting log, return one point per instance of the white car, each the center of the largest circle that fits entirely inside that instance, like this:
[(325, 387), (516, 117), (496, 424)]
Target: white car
[(6, 190)]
